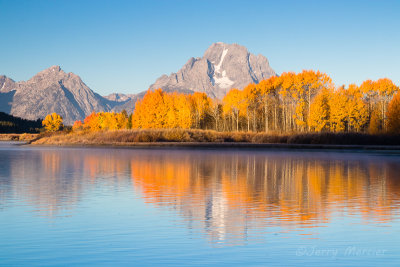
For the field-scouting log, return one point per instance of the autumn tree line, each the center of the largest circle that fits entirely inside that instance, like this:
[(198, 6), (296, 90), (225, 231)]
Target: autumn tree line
[(290, 103)]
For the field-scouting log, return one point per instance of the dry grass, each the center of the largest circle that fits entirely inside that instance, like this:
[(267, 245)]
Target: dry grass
[(126, 137), (18, 137)]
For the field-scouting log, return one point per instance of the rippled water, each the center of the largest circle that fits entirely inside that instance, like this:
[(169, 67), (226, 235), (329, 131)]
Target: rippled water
[(91, 206)]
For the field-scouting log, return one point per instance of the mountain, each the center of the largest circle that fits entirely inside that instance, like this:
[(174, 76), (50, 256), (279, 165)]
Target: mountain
[(222, 67), (51, 90), (118, 97)]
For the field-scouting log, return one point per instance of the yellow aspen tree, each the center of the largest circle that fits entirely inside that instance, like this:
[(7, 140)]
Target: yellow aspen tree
[(393, 115), (300, 114), (308, 83), (249, 104), (286, 87), (91, 122), (231, 105), (267, 90), (375, 122), (338, 114), (200, 107), (183, 110), (216, 112), (171, 120), (121, 120), (386, 89), (151, 111), (53, 122), (378, 94), (102, 120), (320, 112), (356, 108)]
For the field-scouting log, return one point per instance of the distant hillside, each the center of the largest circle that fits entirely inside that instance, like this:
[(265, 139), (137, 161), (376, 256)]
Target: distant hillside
[(11, 124)]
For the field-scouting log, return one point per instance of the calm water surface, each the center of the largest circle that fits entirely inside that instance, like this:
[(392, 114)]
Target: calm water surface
[(105, 206)]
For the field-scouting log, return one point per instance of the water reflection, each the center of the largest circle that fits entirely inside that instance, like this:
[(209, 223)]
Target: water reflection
[(223, 194)]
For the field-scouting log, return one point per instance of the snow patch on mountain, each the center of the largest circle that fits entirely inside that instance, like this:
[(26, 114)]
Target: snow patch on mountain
[(221, 79), (224, 81), (217, 68)]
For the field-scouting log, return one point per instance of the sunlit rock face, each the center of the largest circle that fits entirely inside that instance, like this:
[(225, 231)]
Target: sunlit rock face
[(222, 67)]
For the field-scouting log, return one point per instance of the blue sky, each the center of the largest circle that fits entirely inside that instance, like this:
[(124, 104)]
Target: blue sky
[(123, 46)]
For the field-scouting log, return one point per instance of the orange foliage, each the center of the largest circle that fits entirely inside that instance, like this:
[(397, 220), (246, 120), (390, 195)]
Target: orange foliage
[(77, 125), (53, 122), (159, 110), (292, 102), (393, 114), (319, 116), (103, 121)]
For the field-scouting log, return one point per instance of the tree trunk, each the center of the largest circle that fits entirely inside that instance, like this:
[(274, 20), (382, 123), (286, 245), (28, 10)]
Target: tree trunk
[(383, 116), (283, 117), (276, 117), (309, 108), (248, 121), (237, 121), (254, 121), (266, 116)]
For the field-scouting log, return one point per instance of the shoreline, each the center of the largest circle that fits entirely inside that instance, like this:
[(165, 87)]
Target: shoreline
[(208, 139), (227, 145)]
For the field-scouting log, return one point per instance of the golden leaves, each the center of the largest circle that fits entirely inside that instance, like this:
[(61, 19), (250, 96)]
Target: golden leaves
[(53, 122), (292, 102), (393, 114)]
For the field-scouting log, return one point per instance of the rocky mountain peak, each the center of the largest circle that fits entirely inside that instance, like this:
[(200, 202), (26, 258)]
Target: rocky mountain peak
[(222, 67), (216, 50), (52, 74), (6, 84), (53, 70)]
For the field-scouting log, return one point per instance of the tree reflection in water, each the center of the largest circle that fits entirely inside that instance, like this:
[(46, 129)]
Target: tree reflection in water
[(223, 193)]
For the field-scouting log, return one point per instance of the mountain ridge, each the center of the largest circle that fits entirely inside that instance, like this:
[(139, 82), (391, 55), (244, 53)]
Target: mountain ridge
[(52, 90), (222, 67)]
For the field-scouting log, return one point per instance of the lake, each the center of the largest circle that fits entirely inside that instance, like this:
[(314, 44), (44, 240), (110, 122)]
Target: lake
[(124, 206)]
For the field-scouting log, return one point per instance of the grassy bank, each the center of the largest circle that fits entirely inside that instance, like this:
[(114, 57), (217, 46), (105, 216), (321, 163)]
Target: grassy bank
[(131, 137), (18, 137)]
